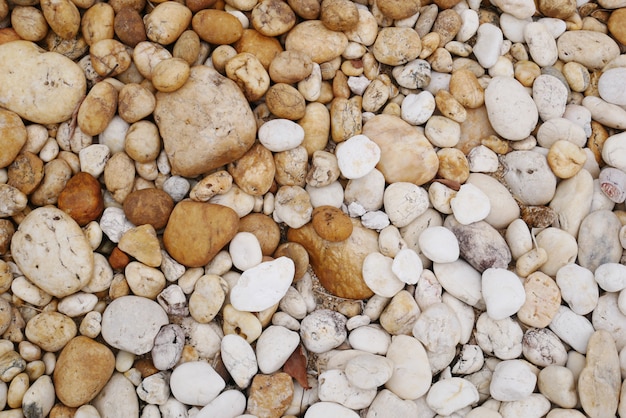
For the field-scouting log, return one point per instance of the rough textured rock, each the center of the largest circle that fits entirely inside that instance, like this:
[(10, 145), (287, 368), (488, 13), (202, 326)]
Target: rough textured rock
[(205, 124)]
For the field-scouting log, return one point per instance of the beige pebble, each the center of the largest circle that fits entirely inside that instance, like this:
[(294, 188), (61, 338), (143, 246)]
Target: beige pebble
[(98, 108), (531, 261), (566, 159), (244, 324), (396, 46), (170, 74), (142, 142), (290, 67), (109, 57), (465, 88), (187, 47), (543, 299), (119, 175), (11, 364), (146, 56), (453, 165), (62, 16), (291, 167), (29, 23), (18, 387), (449, 106), (345, 118), (166, 22), (253, 172), (50, 330), (207, 298), (247, 71), (526, 72), (215, 183), (314, 38), (400, 314)]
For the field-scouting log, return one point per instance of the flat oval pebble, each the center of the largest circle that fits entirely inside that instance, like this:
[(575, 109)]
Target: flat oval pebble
[(529, 177), (481, 245), (357, 156), (274, 346), (503, 292), (368, 371), (578, 288), (119, 396), (573, 329), (334, 386), (461, 280), (470, 204), (412, 375), (379, 276), (439, 244), (239, 359), (329, 409), (611, 86), (598, 241), (449, 395), (279, 135), (550, 96), (592, 49), (136, 335), (323, 330), (195, 383), (262, 286), (512, 112), (230, 403)]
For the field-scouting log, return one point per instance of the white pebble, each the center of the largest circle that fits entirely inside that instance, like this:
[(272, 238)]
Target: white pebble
[(94, 158), (230, 403), (578, 288), (512, 380), (274, 346), (329, 409), (404, 202), (449, 395), (370, 338), (612, 87), (503, 292), (439, 244), (574, 329), (279, 135), (407, 266), (114, 135), (239, 359), (329, 195), (357, 156), (196, 383), (611, 277), (334, 386), (482, 160), (488, 44), (416, 109), (154, 389), (379, 276), (323, 330), (376, 220), (177, 187), (461, 280), (470, 204), (541, 44), (245, 251)]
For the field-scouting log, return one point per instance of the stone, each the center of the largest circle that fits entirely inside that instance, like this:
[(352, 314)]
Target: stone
[(40, 86), (461, 280), (14, 136), (418, 108), (386, 47), (195, 383), (599, 381), (197, 231), (274, 346), (437, 328), (326, 409), (439, 244), (481, 245), (470, 360), (38, 399), (81, 198), (154, 389), (26, 172), (529, 177), (535, 405), (612, 151), (488, 44), (168, 347), (207, 298), (412, 375), (313, 38), (387, 402), (50, 330), (592, 49), (228, 403), (470, 204), (512, 380), (503, 337), (558, 385), (615, 24), (113, 223), (543, 348), (401, 148), (263, 286), (611, 277), (543, 299), (368, 371), (611, 86), (239, 359), (334, 386), (572, 201), (357, 156), (117, 398), (407, 266), (323, 330), (142, 244), (598, 240), (449, 395), (270, 396), (279, 135), (244, 324), (541, 46), (503, 207), (332, 260), (13, 201), (370, 338), (136, 335), (379, 276), (608, 316), (148, 206), (549, 94), (503, 292), (205, 124), (512, 112), (578, 288), (573, 329)]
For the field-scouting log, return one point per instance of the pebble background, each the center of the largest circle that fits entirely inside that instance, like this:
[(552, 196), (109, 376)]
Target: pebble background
[(336, 208)]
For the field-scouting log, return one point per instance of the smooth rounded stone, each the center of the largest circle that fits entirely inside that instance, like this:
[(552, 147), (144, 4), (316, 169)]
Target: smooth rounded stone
[(503, 292), (442, 131), (42, 87), (550, 96), (418, 108), (542, 348), (407, 266), (387, 403), (262, 286), (323, 330), (483, 412), (334, 386), (406, 154), (143, 280), (11, 364), (357, 156), (415, 74), (404, 202), (519, 9), (223, 127), (503, 337), (368, 371), (578, 288), (439, 244), (366, 192), (470, 204), (542, 300), (154, 389), (77, 304), (387, 50), (38, 399), (87, 411), (13, 200), (239, 359), (535, 405), (230, 403), (464, 313), (118, 398), (607, 316), (558, 385), (168, 347), (329, 409), (503, 208), (330, 195), (598, 239), (518, 238), (572, 328), (572, 201), (398, 317), (560, 129), (512, 380), (482, 160), (313, 38), (245, 251), (592, 49), (274, 346), (136, 335), (50, 330), (611, 277), (613, 151), (339, 265), (512, 112), (529, 177), (279, 135), (461, 280), (271, 395), (611, 86), (412, 375), (470, 360), (565, 413), (560, 247), (207, 298), (513, 27), (600, 380), (542, 48), (607, 114), (488, 44), (450, 395), (292, 205), (57, 265), (480, 244), (195, 383)]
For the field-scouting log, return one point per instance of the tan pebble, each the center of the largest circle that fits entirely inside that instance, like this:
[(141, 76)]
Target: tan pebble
[(62, 16), (254, 171), (26, 172), (526, 72), (530, 262), (285, 101), (441, 60), (450, 107), (598, 137), (272, 17), (291, 167), (13, 135), (265, 48), (316, 125), (460, 49), (468, 64), (119, 176), (617, 25), (497, 145), (148, 206), (98, 108), (50, 330), (577, 76), (170, 74), (340, 85), (118, 287), (215, 183), (98, 23), (518, 52), (397, 45), (453, 165), (352, 67), (398, 9), (400, 314), (129, 27), (265, 316), (297, 253), (375, 96), (345, 118), (187, 47), (6, 233), (135, 102), (447, 25), (558, 9), (244, 324), (56, 175), (331, 223), (270, 395), (264, 228), (143, 143), (290, 67), (35, 369), (217, 26), (207, 298), (109, 57), (11, 364), (314, 38), (538, 216), (166, 22), (543, 299), (464, 87), (339, 15), (18, 387), (29, 23), (141, 243), (248, 72), (566, 159), (430, 43)]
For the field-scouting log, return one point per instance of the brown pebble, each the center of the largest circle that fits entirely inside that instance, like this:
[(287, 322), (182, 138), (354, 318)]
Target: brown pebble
[(270, 396), (26, 172), (264, 228), (617, 25), (145, 367), (148, 206), (61, 411), (82, 198), (298, 254), (538, 216), (129, 27), (118, 259), (331, 223), (7, 229)]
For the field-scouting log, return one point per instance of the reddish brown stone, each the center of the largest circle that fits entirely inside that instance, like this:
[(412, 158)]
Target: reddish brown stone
[(82, 198), (148, 206), (118, 259)]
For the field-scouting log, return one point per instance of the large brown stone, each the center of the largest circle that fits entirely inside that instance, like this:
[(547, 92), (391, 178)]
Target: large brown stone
[(12, 136), (148, 206), (205, 124), (405, 154), (82, 198), (617, 25), (82, 370), (197, 231), (339, 265)]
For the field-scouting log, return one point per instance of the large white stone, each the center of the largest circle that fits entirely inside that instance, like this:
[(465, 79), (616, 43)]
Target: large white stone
[(239, 359), (412, 374), (511, 111), (196, 383), (274, 346), (512, 380)]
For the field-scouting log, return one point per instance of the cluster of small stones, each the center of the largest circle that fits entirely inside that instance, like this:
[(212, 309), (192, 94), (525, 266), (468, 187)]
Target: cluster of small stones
[(336, 208)]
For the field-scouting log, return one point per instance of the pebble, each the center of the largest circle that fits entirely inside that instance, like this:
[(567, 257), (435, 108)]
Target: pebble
[(512, 112), (599, 48), (154, 389), (270, 395), (195, 383), (39, 399), (398, 317), (245, 251), (470, 204), (541, 46), (274, 346), (262, 286), (558, 385), (611, 86), (135, 336), (418, 108), (543, 348), (578, 288), (598, 240), (367, 191), (168, 347), (607, 316), (117, 398), (404, 202), (407, 266), (334, 386), (368, 371), (357, 156), (503, 292), (387, 402), (230, 403), (612, 151), (529, 177), (279, 135), (239, 359), (503, 208), (412, 375), (542, 300), (572, 328), (549, 94), (326, 409), (461, 280), (439, 244), (536, 405), (450, 395), (501, 337), (611, 277), (488, 45), (482, 160), (323, 330), (572, 201), (512, 380)]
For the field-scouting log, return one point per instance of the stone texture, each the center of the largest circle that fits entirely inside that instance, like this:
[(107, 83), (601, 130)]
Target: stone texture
[(270, 396), (83, 368), (148, 206)]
